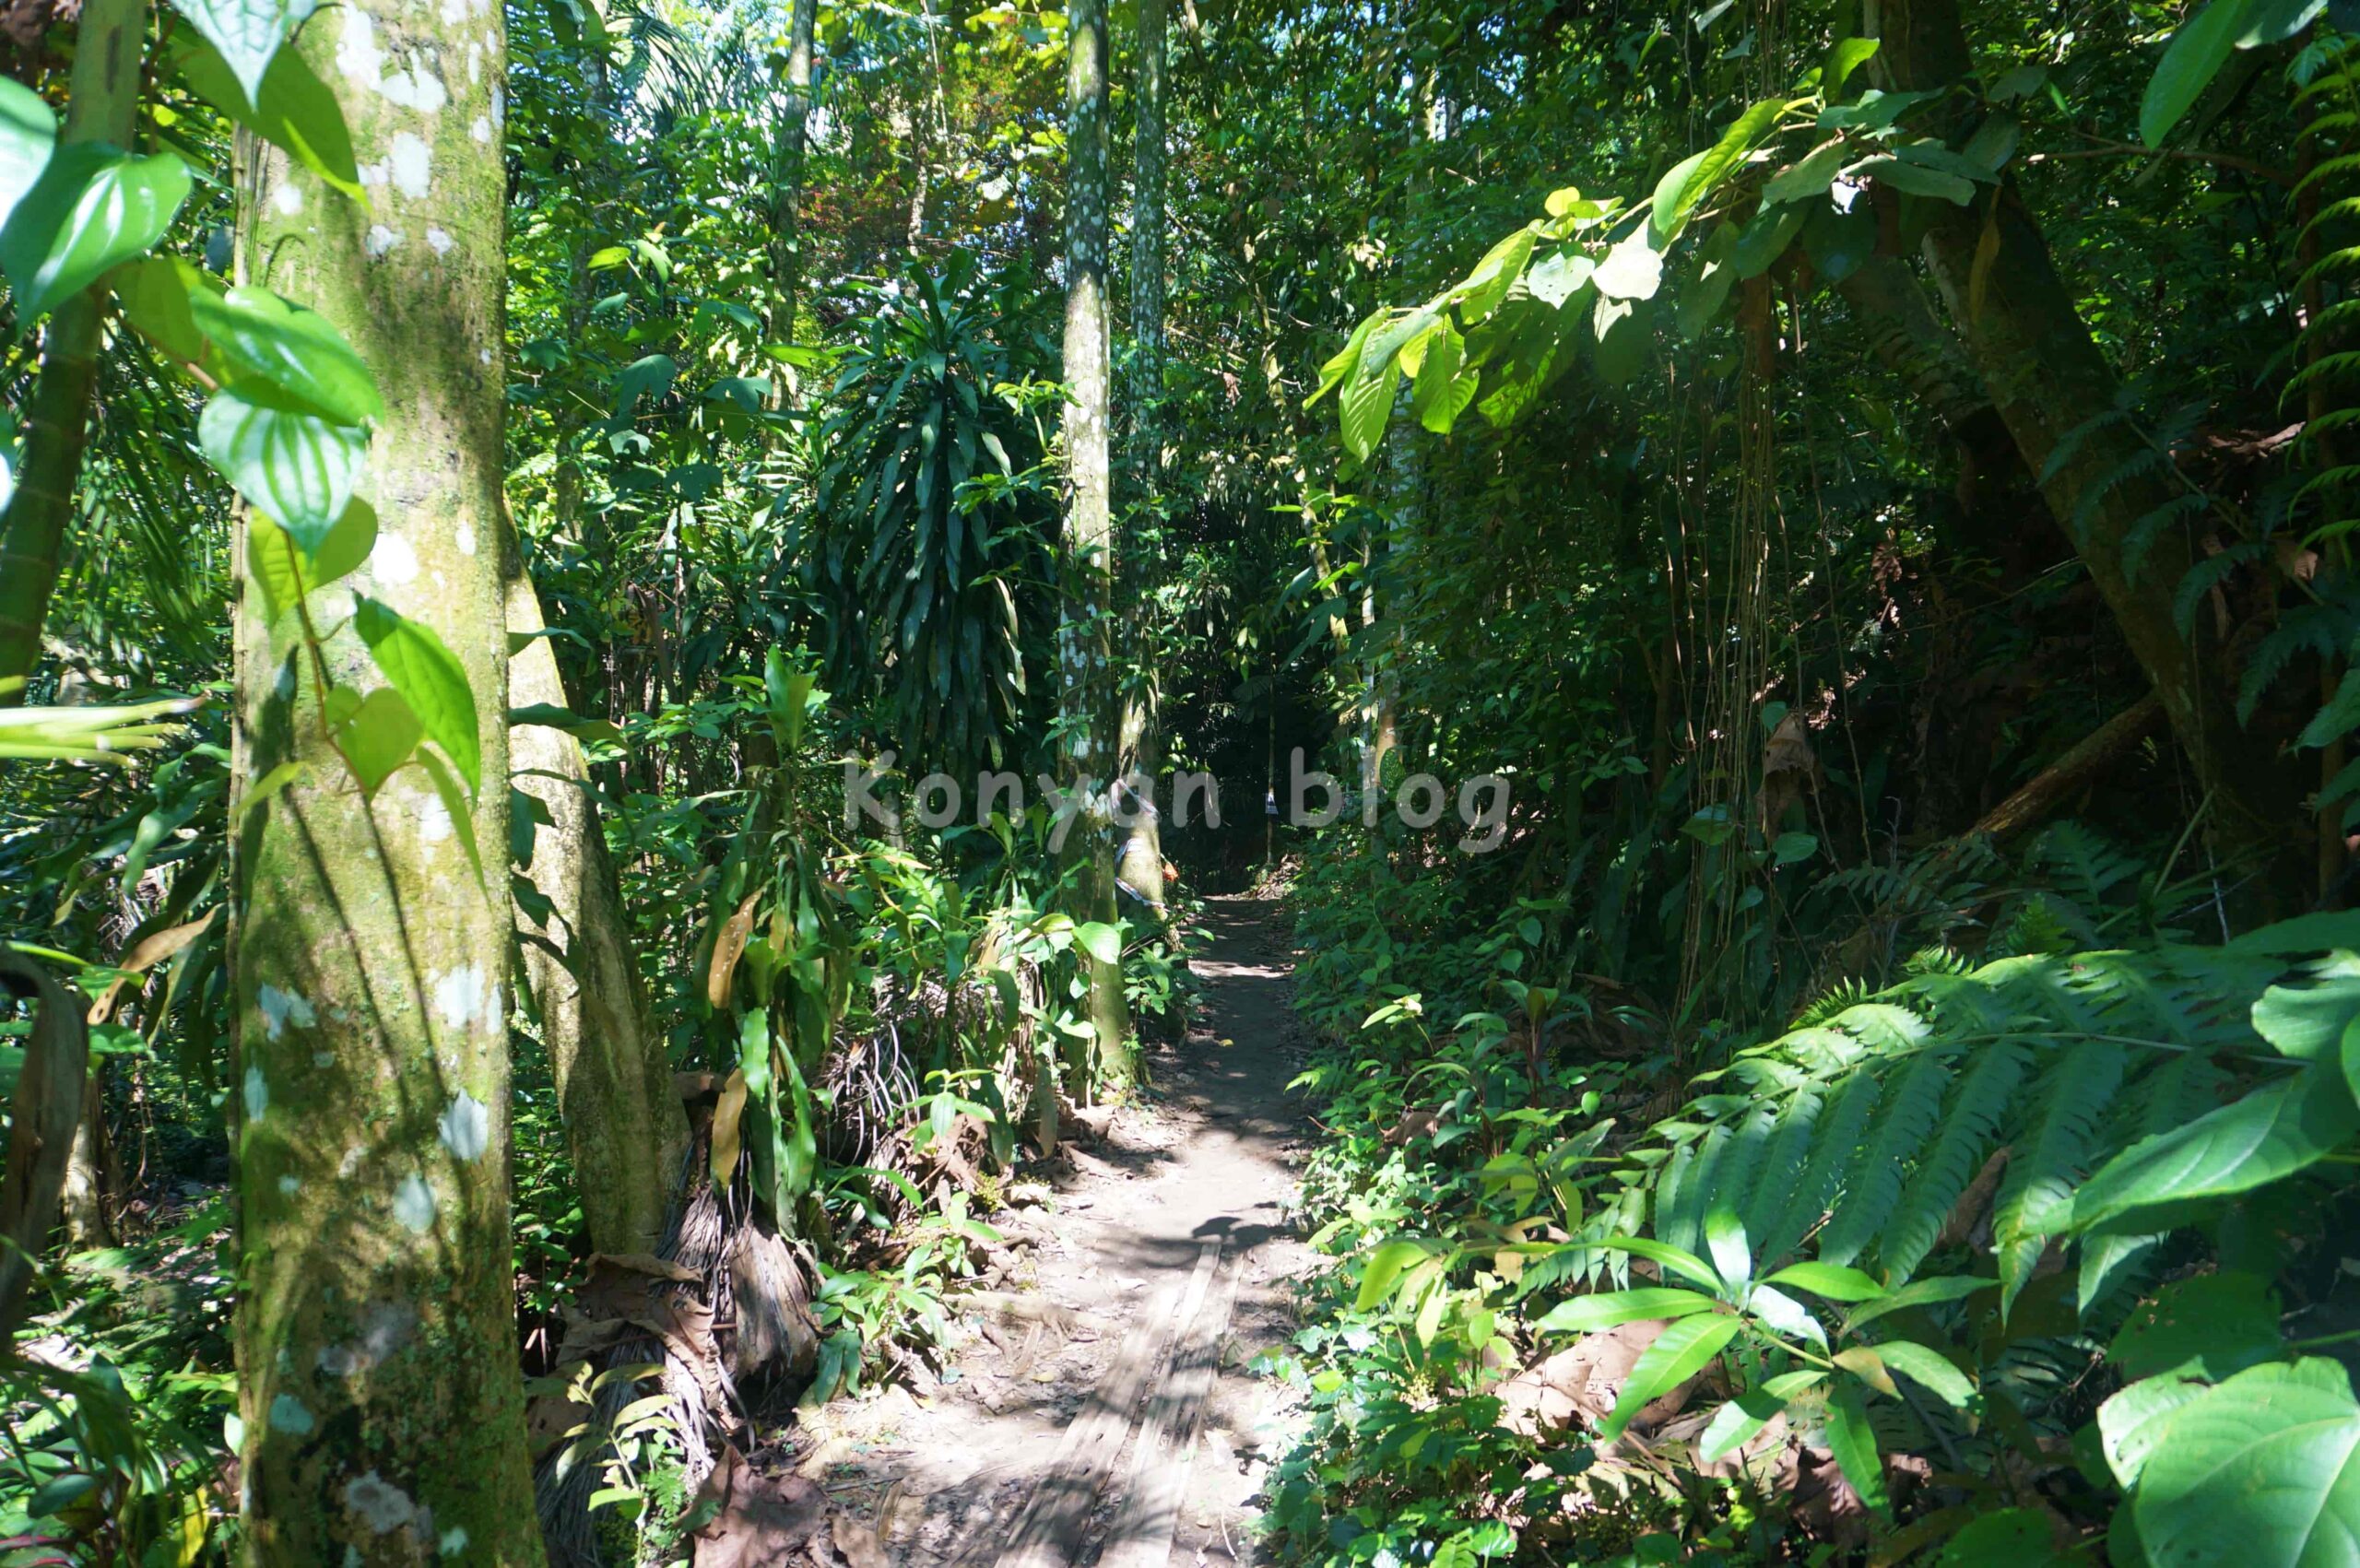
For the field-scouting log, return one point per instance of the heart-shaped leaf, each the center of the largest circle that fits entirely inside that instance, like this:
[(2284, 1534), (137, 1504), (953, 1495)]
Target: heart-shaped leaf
[(298, 351), (430, 676), (377, 734), (293, 464), (92, 209), (247, 33), (28, 131)]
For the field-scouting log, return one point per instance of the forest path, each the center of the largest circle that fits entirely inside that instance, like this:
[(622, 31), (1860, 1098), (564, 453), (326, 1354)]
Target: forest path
[(1209, 1154)]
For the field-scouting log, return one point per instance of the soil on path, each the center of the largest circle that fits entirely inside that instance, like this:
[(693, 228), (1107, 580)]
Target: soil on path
[(943, 1473)]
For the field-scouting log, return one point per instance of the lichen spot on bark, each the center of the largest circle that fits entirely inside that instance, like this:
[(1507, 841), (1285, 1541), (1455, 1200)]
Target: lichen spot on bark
[(381, 1505), (414, 1205), (258, 1094), (280, 1008), (466, 1127), (410, 164)]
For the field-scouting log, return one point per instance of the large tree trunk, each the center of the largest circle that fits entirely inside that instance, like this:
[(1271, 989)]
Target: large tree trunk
[(101, 107), (376, 1330), (623, 1121), (1084, 643), (2046, 378)]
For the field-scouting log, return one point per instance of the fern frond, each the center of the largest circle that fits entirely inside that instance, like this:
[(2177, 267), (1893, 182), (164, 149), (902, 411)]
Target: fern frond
[(2051, 1155), (1872, 1185), (1970, 1131), (1784, 1159), (1835, 1136)]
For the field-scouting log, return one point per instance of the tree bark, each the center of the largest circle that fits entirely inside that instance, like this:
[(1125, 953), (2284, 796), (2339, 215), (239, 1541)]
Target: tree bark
[(1139, 862), (1084, 643), (2047, 379), (2077, 769), (376, 1329), (102, 106), (623, 1120)]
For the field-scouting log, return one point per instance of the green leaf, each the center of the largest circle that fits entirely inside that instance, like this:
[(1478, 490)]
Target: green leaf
[(1853, 1442), (1765, 239), (1102, 941), (2339, 716), (1367, 404), (154, 293), (2193, 58), (1845, 56), (285, 574), (462, 815), (1809, 178), (1916, 1294), (1915, 178), (1583, 1314), (1840, 242), (2210, 1326), (1687, 1264), (1679, 1353), (1929, 1370), (2013, 1537), (2275, 21), (2306, 1019), (295, 466), (246, 32), (1829, 1281), (28, 131), (2133, 1420), (1725, 1239), (1633, 269), (1681, 191), (1383, 1267), (2270, 1134), (430, 676), (549, 715), (2263, 1470), (376, 732), (297, 352), (294, 109), (92, 209)]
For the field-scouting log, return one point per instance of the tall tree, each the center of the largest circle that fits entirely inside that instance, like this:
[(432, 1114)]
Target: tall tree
[(103, 108), (379, 1393), (1140, 865), (1083, 643), (623, 1121), (2048, 380)]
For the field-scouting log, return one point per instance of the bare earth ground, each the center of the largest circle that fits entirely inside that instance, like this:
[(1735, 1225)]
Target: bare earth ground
[(1211, 1154)]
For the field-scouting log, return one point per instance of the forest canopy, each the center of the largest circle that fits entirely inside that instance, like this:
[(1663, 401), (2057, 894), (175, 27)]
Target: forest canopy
[(635, 637)]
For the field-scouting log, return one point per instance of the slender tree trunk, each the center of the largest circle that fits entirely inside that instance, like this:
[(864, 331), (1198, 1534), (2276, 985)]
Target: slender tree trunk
[(101, 106), (787, 190), (623, 1121), (1083, 645), (2047, 379), (378, 1378), (1140, 865)]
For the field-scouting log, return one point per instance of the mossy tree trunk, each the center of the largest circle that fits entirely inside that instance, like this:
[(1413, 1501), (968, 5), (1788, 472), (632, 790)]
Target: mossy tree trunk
[(101, 106), (378, 1378), (623, 1122), (1084, 643), (2047, 379), (786, 189)]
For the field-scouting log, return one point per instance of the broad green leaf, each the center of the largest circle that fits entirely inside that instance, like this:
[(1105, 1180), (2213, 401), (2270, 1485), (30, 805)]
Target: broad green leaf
[(2270, 1134), (27, 132), (1839, 242), (1725, 1239), (1690, 182), (649, 377), (1383, 1267), (1345, 360), (376, 732), (2262, 1471), (247, 33), (2132, 1420), (430, 676), (1828, 1280), (1736, 1422), (294, 109), (2306, 1019), (1633, 269), (154, 293), (1916, 1294), (1853, 1442), (2210, 1326), (456, 806), (1809, 178), (2190, 61), (1785, 1315), (2275, 21), (1915, 178), (2013, 1537), (286, 573), (297, 352), (1845, 56), (1102, 941), (1583, 1314), (2339, 716), (1559, 276), (1679, 1353), (92, 209), (1931, 1370), (1875, 110), (1765, 239), (296, 466), (1367, 404), (1479, 292)]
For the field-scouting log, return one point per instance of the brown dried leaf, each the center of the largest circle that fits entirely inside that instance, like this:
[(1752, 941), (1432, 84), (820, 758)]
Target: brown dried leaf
[(728, 947), (728, 1129), (756, 1521)]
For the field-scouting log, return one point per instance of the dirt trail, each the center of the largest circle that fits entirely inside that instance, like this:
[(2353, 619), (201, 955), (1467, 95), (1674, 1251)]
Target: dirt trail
[(1209, 1154)]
